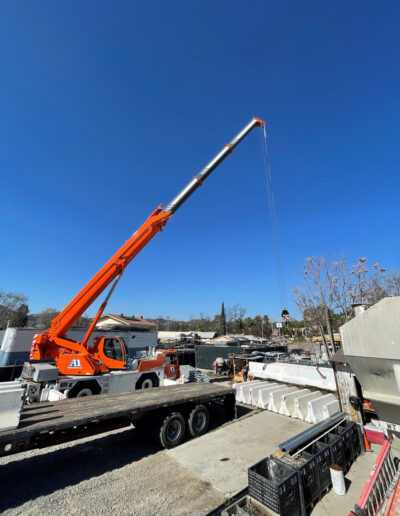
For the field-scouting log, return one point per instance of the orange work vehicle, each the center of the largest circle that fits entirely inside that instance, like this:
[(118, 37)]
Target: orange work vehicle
[(73, 360)]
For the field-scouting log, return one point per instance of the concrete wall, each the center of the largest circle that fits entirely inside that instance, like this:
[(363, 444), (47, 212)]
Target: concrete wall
[(371, 345)]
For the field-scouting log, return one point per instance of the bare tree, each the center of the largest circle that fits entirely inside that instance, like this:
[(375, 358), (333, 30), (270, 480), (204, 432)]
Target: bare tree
[(44, 318), (329, 289), (9, 304), (83, 321), (235, 316)]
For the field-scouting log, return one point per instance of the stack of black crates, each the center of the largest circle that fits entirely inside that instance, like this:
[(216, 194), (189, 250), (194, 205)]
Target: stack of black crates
[(292, 484), (275, 485)]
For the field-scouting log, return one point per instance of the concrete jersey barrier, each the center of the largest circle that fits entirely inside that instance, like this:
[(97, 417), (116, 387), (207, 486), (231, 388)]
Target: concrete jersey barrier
[(288, 402), (297, 374), (263, 395), (275, 398), (253, 394), (301, 404), (315, 412)]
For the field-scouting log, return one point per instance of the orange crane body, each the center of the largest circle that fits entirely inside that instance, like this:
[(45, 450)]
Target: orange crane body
[(77, 358)]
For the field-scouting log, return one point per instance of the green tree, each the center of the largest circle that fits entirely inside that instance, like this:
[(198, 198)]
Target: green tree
[(223, 320), (20, 317)]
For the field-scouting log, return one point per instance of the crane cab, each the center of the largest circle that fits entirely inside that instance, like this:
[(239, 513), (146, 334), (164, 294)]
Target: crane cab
[(112, 351)]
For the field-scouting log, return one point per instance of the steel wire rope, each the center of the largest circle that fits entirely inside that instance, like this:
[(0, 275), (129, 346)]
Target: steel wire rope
[(274, 220)]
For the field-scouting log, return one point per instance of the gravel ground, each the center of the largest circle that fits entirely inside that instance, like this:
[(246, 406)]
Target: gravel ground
[(119, 472)]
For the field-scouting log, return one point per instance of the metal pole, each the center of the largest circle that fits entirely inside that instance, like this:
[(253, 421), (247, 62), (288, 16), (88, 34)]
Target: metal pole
[(213, 164)]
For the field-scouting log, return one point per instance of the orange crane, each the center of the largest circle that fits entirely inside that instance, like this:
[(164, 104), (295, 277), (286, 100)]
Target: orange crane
[(107, 354)]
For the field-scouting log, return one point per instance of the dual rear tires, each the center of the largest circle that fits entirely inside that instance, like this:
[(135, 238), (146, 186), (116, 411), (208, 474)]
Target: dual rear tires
[(169, 429)]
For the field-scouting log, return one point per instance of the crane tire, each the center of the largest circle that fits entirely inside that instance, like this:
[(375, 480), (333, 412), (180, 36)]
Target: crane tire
[(169, 430), (199, 419), (84, 388), (147, 382)]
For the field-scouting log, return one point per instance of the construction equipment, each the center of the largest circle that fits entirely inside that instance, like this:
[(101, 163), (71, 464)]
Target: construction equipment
[(78, 360)]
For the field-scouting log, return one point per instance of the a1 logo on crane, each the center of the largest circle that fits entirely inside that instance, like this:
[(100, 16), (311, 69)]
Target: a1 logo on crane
[(75, 364)]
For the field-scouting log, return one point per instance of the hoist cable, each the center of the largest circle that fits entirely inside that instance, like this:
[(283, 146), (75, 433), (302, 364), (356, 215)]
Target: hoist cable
[(274, 220)]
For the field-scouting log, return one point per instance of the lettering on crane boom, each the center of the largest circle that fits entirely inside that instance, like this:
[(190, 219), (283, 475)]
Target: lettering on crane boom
[(75, 364)]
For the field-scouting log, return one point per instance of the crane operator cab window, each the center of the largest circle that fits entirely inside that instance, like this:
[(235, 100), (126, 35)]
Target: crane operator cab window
[(171, 359), (112, 349)]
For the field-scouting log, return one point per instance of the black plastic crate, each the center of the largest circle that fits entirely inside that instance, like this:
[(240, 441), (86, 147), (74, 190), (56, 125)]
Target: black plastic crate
[(322, 455), (351, 434), (308, 480), (345, 433), (336, 446), (354, 432), (276, 486)]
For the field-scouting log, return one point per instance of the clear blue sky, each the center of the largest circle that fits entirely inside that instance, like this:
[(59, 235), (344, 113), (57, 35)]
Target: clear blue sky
[(109, 108)]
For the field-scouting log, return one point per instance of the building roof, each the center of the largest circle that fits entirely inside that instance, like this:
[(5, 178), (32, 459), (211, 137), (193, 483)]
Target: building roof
[(135, 322), (177, 334)]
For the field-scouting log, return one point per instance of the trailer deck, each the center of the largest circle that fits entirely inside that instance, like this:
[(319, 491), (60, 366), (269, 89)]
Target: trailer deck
[(45, 424)]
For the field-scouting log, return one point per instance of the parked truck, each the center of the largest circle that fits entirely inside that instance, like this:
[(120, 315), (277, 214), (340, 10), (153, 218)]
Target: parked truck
[(73, 368)]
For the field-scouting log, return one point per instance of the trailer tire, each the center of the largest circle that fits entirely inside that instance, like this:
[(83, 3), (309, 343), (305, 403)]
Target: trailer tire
[(198, 421), (169, 430), (147, 381)]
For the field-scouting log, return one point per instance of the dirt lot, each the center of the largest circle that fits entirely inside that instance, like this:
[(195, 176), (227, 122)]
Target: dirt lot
[(118, 473)]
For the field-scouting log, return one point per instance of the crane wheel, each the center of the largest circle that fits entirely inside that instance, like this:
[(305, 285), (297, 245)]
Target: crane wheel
[(84, 388), (147, 382), (169, 430), (198, 421)]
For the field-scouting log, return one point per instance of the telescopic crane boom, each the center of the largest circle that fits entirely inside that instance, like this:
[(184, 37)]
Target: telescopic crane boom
[(53, 343)]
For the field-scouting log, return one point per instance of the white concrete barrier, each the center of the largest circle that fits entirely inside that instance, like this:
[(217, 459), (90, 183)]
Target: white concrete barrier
[(11, 401), (307, 375), (275, 398), (252, 397), (301, 404), (288, 406), (331, 408), (263, 395), (315, 412), (241, 392), (6, 386)]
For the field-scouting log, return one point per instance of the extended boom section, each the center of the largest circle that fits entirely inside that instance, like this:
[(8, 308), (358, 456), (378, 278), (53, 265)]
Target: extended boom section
[(53, 344)]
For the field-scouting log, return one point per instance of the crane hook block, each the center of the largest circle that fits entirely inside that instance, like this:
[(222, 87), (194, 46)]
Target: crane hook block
[(285, 314)]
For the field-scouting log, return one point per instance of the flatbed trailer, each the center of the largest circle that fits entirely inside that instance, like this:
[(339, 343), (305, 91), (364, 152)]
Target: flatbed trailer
[(165, 412)]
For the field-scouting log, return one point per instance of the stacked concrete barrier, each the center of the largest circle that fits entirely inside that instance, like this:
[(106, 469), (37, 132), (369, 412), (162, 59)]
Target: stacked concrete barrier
[(331, 408), (263, 395), (301, 404), (242, 390), (252, 396), (295, 374), (11, 401), (288, 402), (315, 408), (275, 398)]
